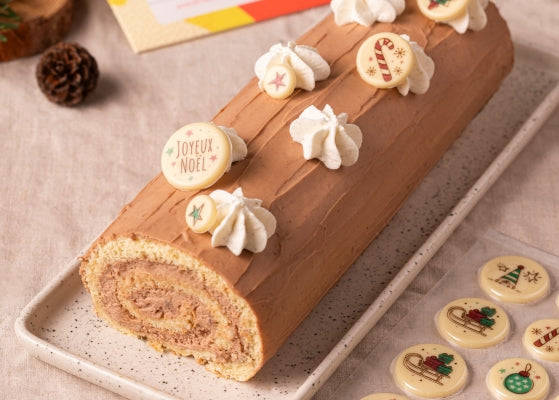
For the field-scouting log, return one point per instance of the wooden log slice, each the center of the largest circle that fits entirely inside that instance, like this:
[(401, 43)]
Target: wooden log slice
[(43, 23)]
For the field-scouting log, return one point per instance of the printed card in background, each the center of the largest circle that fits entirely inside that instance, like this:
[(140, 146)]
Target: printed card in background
[(150, 24)]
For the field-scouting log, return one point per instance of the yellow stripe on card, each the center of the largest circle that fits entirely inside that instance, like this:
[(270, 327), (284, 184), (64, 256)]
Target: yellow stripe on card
[(223, 19)]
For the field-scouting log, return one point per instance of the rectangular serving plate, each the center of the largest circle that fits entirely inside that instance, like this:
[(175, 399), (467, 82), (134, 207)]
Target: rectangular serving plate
[(59, 327)]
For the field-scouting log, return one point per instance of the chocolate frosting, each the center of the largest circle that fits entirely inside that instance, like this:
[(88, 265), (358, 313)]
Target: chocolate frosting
[(326, 218)]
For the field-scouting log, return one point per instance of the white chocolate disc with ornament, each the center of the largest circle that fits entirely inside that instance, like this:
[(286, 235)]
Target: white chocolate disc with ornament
[(541, 338), (518, 379), (473, 323), (201, 213), (196, 156), (279, 81), (384, 396), (385, 60), (514, 279), (443, 10), (430, 371)]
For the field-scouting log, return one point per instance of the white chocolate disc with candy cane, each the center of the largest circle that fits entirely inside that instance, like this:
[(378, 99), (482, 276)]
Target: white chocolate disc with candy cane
[(430, 370), (443, 10), (385, 60), (196, 156), (541, 338), (384, 396), (473, 323), (518, 379), (514, 279)]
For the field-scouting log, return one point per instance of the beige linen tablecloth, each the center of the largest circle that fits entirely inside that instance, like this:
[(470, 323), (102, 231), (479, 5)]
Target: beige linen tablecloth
[(66, 172)]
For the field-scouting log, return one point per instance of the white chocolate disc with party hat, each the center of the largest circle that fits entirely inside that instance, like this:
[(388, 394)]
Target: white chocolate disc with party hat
[(518, 379), (201, 213), (473, 323), (430, 371), (514, 279), (443, 10), (279, 81), (541, 338), (385, 60), (196, 156), (384, 396)]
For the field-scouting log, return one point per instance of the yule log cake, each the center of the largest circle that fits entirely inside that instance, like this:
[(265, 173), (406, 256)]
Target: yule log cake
[(151, 276)]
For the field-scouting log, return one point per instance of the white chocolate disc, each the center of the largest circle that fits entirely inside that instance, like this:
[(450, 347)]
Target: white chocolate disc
[(473, 323), (557, 300), (514, 279), (430, 370), (541, 338), (518, 379), (279, 81), (443, 10), (385, 60), (384, 396), (196, 156), (201, 213)]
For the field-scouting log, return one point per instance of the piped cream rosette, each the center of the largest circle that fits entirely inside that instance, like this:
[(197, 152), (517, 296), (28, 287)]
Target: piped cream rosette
[(198, 154), (366, 12), (387, 60), (327, 136), (284, 68), (235, 221), (460, 14)]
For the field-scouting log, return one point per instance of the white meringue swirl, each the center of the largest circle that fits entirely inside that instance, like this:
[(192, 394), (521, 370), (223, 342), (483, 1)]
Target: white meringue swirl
[(327, 137), (238, 146), (474, 18), (306, 62), (420, 76), (366, 12), (243, 223)]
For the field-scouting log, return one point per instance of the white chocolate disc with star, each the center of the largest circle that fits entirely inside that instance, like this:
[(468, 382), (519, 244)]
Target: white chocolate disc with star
[(518, 379), (443, 10), (541, 338), (196, 156), (514, 279), (385, 60), (430, 371), (473, 323), (384, 396), (201, 213), (279, 81)]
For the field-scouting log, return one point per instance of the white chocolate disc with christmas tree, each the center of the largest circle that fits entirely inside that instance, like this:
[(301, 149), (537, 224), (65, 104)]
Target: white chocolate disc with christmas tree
[(443, 10), (518, 379), (541, 338), (473, 323), (430, 371), (385, 60), (201, 214), (279, 81), (514, 279), (384, 396), (196, 156)]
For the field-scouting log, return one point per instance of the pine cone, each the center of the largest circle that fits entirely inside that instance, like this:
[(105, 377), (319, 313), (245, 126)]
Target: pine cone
[(67, 73)]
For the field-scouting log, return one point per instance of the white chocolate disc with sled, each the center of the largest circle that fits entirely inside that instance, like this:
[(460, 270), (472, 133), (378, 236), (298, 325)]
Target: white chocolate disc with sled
[(473, 323), (430, 370)]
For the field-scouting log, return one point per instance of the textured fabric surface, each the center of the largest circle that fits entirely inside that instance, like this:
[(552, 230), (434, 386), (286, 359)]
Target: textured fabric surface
[(66, 172)]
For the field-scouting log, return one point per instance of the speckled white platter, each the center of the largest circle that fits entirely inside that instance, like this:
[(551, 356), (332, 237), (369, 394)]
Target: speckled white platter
[(58, 326)]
